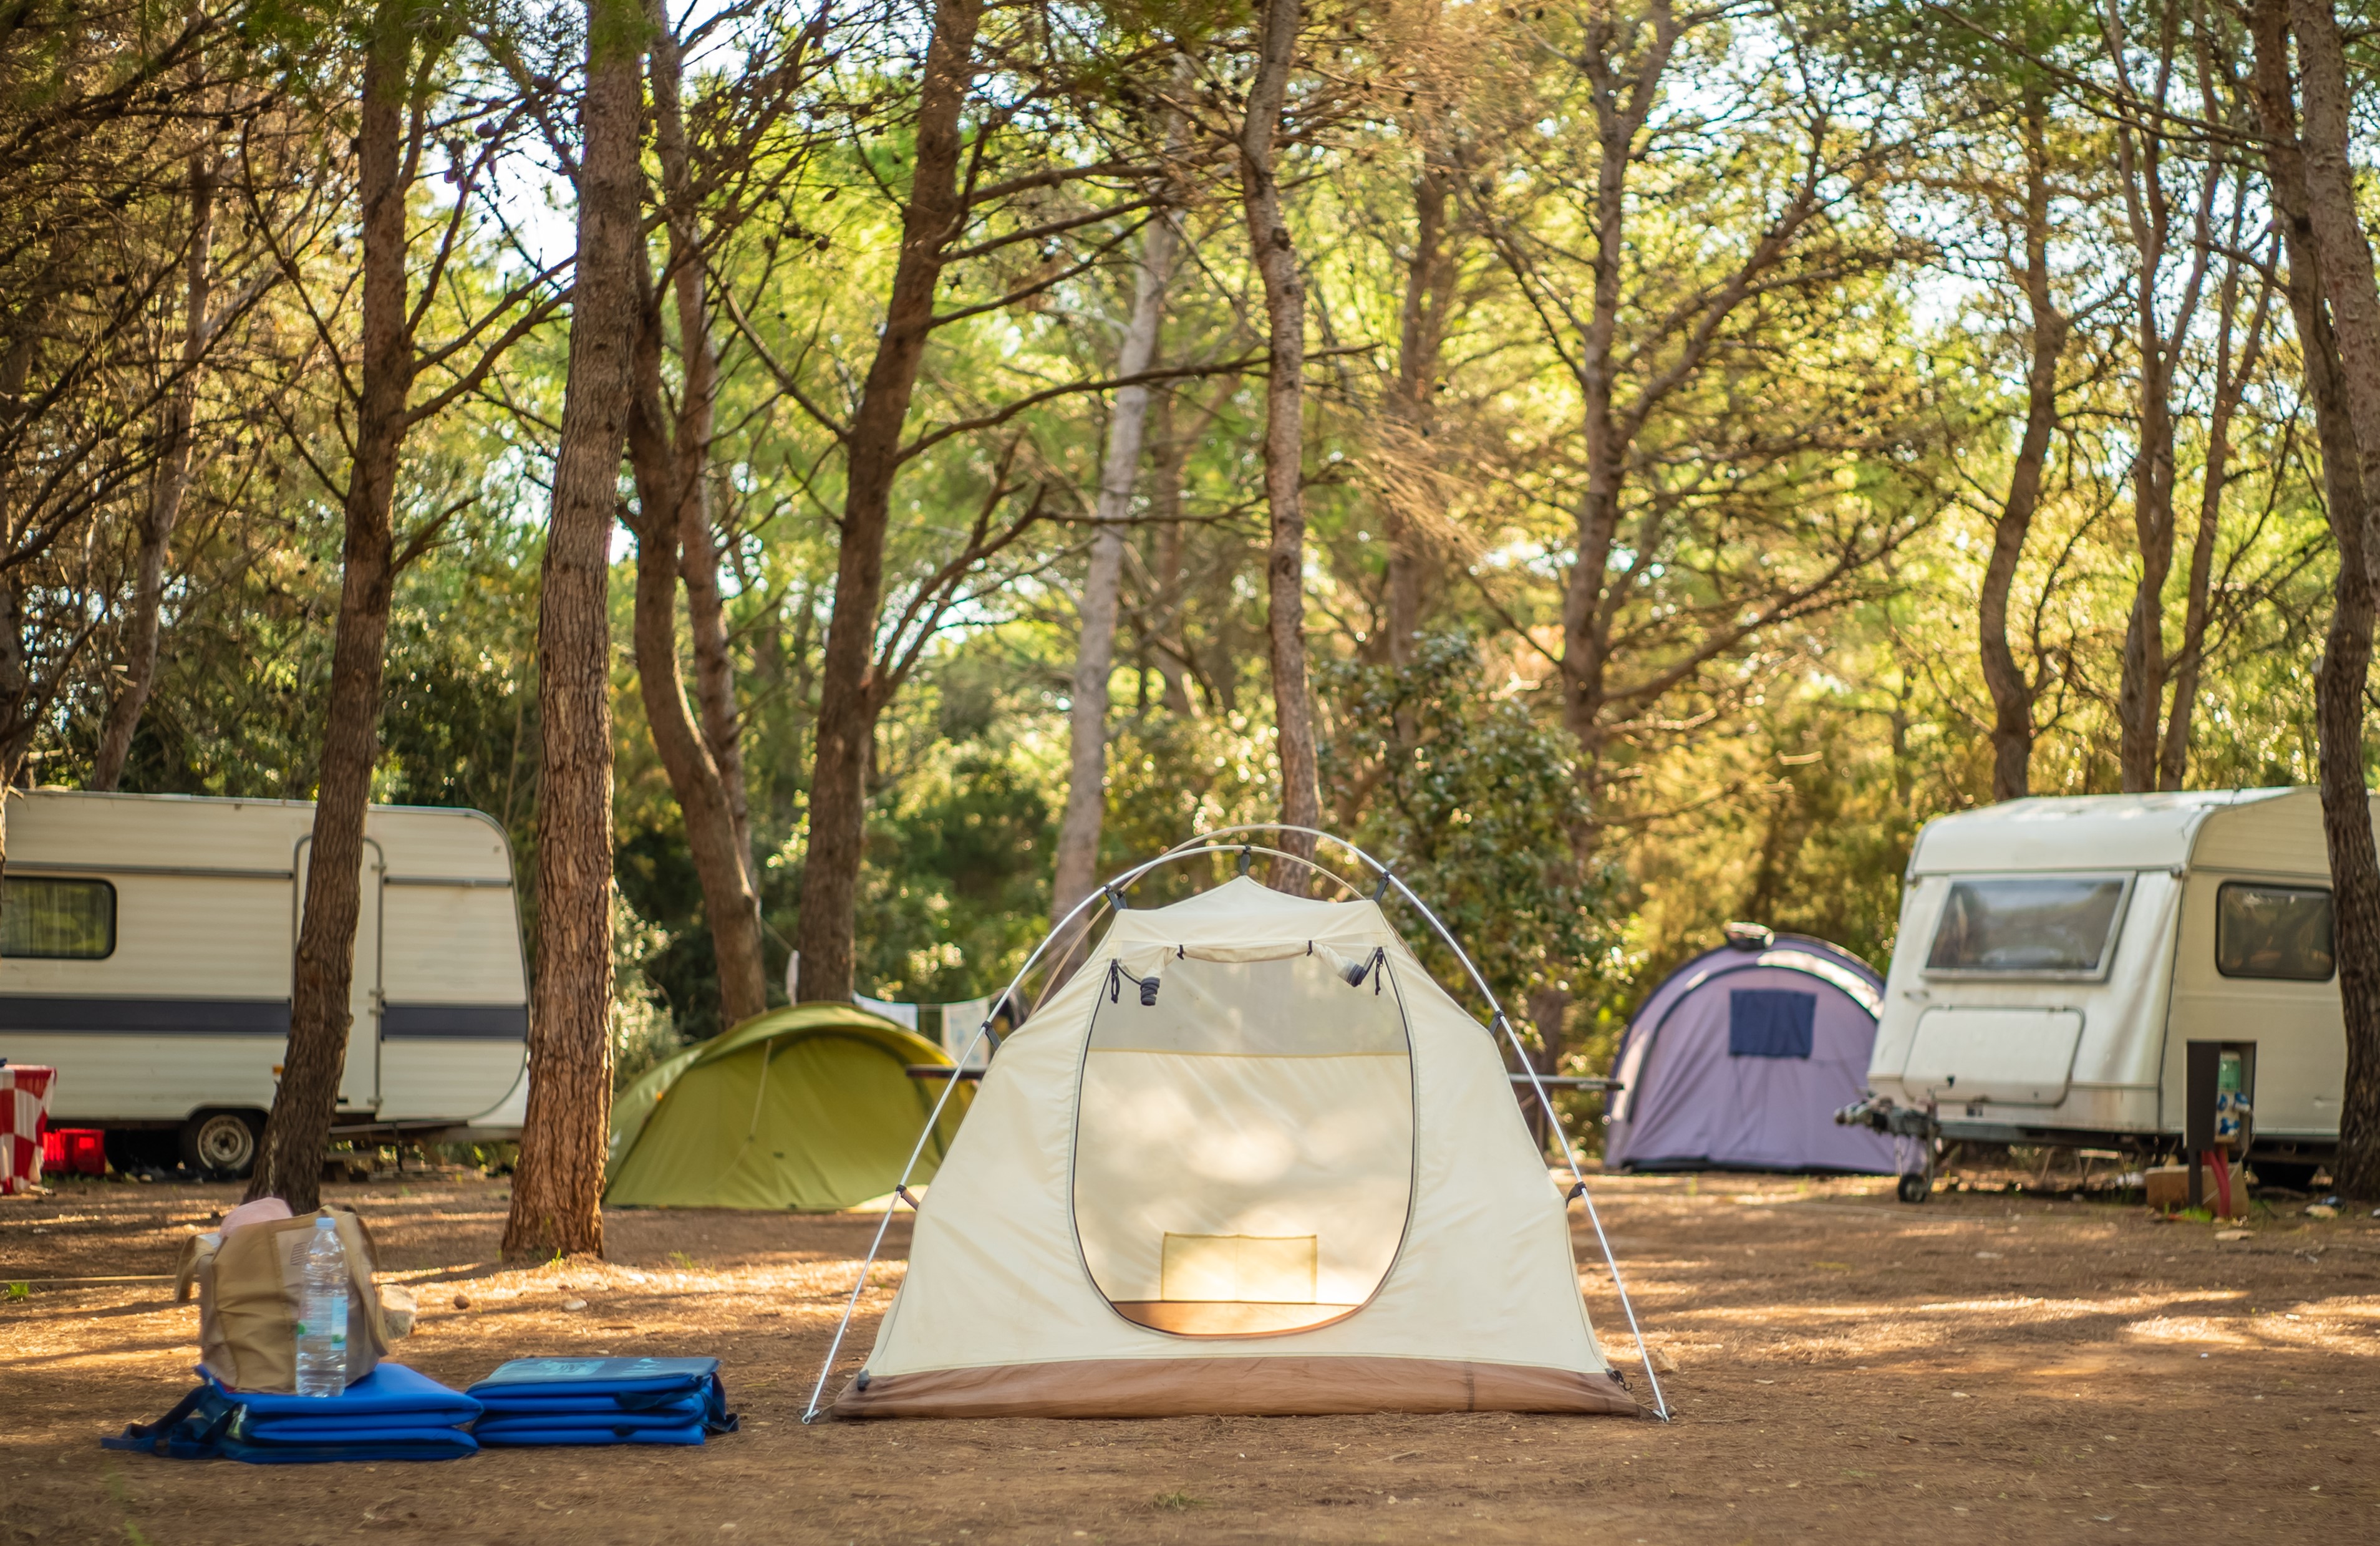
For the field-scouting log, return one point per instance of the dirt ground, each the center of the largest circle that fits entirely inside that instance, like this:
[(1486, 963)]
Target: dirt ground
[(1981, 1368)]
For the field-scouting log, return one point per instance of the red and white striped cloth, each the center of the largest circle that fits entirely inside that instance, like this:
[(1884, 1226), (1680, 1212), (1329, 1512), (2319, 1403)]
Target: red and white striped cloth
[(24, 1100)]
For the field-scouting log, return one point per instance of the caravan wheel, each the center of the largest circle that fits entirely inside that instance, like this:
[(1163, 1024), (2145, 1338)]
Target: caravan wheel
[(220, 1143), (2296, 1178), (1915, 1188)]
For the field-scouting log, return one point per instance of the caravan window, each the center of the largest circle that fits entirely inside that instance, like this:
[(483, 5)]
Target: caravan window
[(57, 921), (2033, 926), (2273, 931)]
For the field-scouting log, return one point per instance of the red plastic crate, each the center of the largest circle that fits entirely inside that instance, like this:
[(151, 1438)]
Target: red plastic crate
[(74, 1151)]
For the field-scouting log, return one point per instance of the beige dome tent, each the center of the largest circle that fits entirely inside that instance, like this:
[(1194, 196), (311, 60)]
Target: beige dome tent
[(1250, 1157)]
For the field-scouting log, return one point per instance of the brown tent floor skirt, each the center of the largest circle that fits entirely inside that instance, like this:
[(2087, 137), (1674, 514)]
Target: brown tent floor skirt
[(1240, 1387)]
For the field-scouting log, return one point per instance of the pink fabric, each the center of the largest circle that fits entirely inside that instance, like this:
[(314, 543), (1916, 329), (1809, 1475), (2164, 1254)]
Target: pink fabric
[(24, 1100), (264, 1210)]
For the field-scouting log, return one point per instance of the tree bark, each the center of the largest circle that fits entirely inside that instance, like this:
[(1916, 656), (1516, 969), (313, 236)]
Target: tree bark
[(1077, 869), (1621, 112), (289, 1157), (2231, 376), (1169, 462), (849, 696), (674, 540), (1284, 441), (558, 1187), (1429, 283), (2011, 689), (1549, 1012), (714, 668), (2312, 183), (2140, 696), (165, 493), (719, 865)]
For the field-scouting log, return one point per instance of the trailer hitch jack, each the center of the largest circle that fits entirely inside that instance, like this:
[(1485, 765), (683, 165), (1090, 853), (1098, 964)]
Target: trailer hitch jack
[(1917, 1127)]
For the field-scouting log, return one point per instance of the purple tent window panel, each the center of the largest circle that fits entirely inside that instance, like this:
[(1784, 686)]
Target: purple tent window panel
[(1770, 1022)]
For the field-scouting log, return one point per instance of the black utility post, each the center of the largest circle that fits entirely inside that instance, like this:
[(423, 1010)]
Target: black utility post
[(2202, 1067)]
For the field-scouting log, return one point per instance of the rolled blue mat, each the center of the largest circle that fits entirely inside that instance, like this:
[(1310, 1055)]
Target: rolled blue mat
[(515, 1422), (325, 1430), (604, 1401), (691, 1433), (391, 1414), (686, 1403), (391, 1389), (451, 1443)]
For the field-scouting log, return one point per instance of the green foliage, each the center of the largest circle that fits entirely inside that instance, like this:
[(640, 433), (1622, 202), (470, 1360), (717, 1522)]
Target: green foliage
[(1856, 413), (957, 887), (1475, 802)]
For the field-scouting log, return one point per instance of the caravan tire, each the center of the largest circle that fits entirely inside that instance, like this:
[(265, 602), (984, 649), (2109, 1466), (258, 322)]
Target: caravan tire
[(220, 1143), (2293, 1177)]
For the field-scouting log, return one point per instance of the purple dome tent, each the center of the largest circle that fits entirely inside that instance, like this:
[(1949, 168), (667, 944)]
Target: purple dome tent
[(1740, 1058)]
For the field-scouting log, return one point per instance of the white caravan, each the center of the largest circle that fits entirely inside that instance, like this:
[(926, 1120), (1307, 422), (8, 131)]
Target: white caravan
[(2055, 956), (146, 945)]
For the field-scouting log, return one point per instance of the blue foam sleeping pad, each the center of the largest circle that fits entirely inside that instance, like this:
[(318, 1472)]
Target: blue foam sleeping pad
[(526, 1438), (603, 1401), (393, 1413), (675, 1415)]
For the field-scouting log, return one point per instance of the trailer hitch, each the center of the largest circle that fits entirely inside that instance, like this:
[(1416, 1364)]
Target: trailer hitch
[(1909, 1126)]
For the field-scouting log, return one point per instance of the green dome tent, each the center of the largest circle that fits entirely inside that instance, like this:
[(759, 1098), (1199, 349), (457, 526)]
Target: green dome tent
[(810, 1108)]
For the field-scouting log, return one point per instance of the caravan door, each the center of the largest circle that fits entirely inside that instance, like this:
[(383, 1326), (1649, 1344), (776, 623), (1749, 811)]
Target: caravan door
[(360, 1080)]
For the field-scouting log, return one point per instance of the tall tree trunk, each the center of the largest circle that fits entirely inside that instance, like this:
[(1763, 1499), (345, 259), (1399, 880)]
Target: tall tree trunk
[(1550, 1014), (2314, 174), (1169, 460), (2231, 376), (1285, 439), (674, 538), (1430, 281), (289, 1158), (165, 493), (714, 668), (1077, 871), (727, 899), (1619, 116), (850, 698), (558, 1188), (2140, 155), (2011, 689), (20, 695)]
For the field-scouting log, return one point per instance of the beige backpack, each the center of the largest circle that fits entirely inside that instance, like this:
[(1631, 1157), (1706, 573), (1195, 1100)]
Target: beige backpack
[(249, 1287)]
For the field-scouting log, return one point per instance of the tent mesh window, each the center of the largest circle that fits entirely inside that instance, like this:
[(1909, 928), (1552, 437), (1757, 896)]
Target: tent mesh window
[(1770, 1022), (1243, 1143)]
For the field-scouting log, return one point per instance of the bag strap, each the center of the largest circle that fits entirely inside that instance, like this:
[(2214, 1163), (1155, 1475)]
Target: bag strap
[(716, 1418), (173, 1435)]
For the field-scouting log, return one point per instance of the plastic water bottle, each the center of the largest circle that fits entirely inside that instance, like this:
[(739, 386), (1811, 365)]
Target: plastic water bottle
[(322, 1313)]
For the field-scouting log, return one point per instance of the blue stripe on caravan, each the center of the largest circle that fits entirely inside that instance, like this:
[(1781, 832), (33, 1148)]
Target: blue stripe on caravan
[(456, 1022), (145, 1016), (221, 1016)]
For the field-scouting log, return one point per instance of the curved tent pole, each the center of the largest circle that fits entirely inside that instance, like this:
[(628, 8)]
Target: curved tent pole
[(1203, 843), (1106, 893), (1578, 1176), (1114, 889)]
